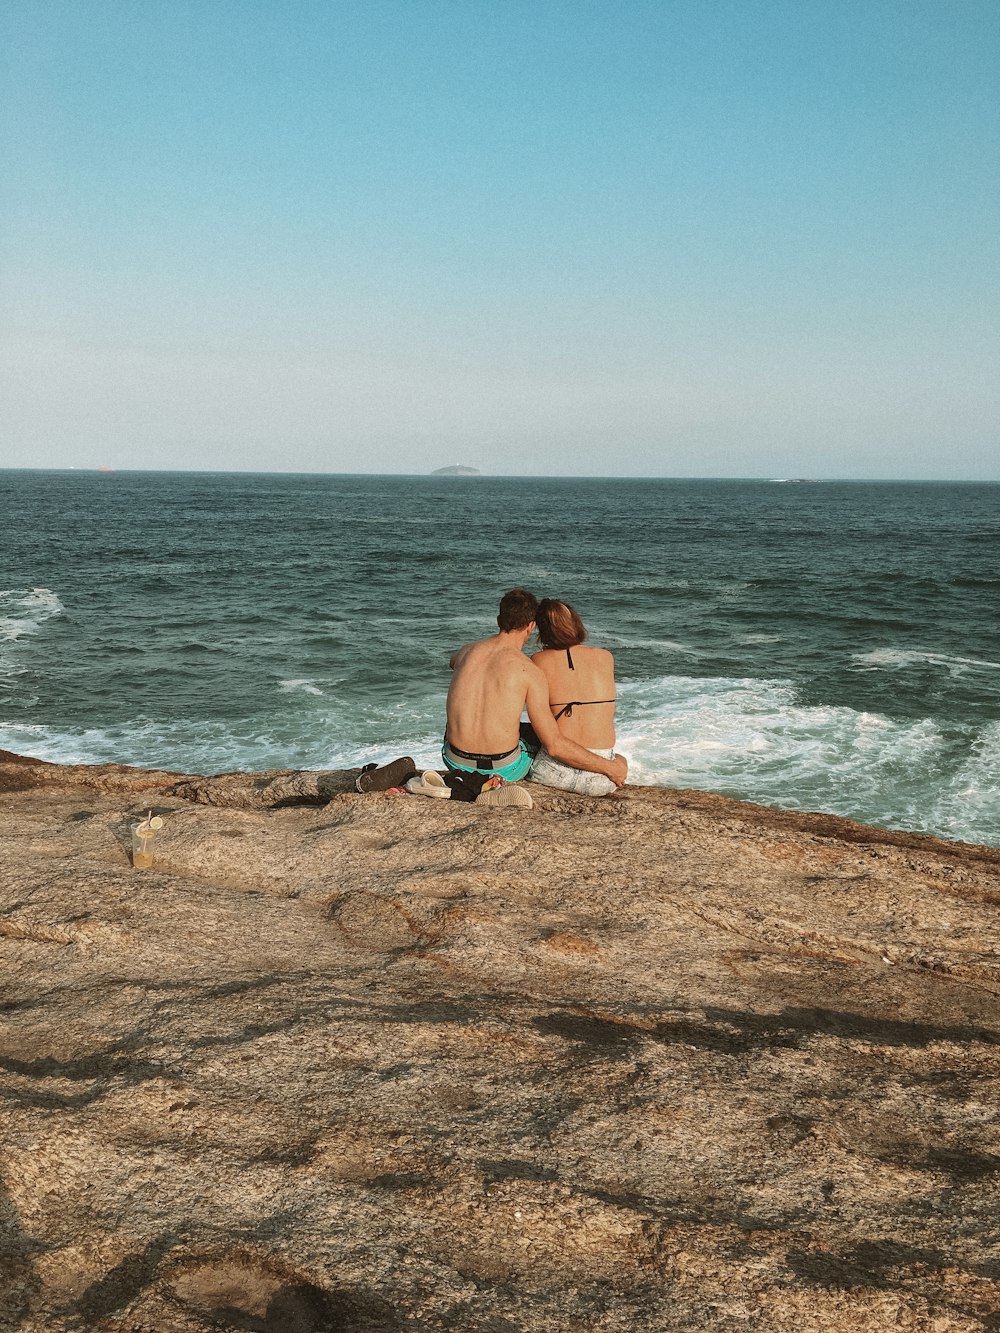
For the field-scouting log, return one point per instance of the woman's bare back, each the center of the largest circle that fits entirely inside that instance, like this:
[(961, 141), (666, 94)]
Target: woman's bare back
[(589, 685)]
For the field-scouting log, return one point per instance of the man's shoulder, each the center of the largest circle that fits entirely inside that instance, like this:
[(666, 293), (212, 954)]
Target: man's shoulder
[(514, 667), (486, 649), (487, 644), (514, 662), (532, 671), (460, 654)]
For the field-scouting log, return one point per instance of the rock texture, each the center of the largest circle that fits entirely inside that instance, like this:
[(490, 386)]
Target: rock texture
[(660, 1062)]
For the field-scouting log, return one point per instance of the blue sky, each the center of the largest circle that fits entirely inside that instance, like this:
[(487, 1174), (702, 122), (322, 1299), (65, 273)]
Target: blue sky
[(685, 238)]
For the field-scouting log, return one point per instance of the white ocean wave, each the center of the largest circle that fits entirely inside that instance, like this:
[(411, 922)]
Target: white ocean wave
[(194, 746), (23, 611), (305, 686), (969, 806), (732, 592), (686, 729), (897, 658), (642, 585), (753, 738), (660, 645), (746, 737)]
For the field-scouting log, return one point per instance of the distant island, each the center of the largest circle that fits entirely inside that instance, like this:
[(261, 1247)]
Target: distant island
[(456, 470)]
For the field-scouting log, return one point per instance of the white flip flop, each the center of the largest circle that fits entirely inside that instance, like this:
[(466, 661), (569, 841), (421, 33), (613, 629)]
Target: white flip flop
[(429, 783)]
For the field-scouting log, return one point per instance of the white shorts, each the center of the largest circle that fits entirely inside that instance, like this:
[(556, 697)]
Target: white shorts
[(552, 773)]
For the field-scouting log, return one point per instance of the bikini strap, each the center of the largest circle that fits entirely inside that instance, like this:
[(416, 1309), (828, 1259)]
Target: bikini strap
[(569, 659), (567, 709)]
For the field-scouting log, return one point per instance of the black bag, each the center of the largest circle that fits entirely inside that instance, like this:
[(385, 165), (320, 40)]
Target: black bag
[(465, 786)]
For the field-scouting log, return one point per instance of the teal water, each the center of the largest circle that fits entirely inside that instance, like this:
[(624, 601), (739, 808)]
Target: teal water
[(830, 646)]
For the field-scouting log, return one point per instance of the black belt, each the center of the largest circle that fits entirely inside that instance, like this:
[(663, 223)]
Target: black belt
[(483, 760)]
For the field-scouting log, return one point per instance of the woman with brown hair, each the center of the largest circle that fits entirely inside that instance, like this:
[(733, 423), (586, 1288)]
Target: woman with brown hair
[(581, 695)]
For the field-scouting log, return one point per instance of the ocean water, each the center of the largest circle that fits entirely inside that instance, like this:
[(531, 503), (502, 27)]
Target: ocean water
[(829, 646)]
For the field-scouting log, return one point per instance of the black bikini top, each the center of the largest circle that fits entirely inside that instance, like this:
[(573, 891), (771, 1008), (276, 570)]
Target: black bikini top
[(566, 710)]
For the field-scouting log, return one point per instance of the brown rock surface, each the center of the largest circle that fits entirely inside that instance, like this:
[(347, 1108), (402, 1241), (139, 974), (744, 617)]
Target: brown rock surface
[(661, 1062)]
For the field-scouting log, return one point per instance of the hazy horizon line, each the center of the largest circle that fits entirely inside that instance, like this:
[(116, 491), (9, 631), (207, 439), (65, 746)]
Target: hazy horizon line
[(519, 476)]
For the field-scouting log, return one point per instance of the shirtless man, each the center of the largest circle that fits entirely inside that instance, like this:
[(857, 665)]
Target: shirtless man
[(493, 682)]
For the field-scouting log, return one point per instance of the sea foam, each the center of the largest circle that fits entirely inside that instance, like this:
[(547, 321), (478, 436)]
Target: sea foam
[(754, 738), (968, 806), (900, 658), (746, 737), (305, 686), (23, 611), (193, 657)]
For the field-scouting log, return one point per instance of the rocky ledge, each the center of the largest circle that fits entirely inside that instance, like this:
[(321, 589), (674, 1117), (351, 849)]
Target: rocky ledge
[(660, 1062)]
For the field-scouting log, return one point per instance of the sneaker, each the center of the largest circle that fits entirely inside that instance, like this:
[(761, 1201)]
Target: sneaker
[(507, 794), (389, 775)]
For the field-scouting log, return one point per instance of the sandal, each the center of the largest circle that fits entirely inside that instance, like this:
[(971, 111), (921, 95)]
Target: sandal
[(372, 778), (429, 783)]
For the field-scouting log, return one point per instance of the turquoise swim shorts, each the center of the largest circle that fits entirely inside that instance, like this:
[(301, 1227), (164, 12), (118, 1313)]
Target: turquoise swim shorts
[(511, 772)]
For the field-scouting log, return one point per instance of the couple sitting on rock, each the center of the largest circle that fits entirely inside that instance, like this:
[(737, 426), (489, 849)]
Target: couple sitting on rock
[(567, 689)]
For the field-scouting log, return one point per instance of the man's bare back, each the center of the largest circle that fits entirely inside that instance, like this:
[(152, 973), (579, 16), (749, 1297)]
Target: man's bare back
[(487, 695)]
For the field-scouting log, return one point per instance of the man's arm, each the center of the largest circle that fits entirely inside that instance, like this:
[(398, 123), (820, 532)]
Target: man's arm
[(560, 746)]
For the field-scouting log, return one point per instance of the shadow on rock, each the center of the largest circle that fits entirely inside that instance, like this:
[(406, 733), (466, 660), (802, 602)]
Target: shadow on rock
[(256, 1295), (239, 1291), (298, 1308), (889, 1265), (121, 1284), (961, 1163), (603, 1034), (734, 1031), (737, 1032), (18, 1283), (266, 791), (99, 1069)]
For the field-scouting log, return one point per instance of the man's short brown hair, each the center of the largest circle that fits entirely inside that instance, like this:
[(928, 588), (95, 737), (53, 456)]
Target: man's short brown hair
[(518, 609), (559, 626)]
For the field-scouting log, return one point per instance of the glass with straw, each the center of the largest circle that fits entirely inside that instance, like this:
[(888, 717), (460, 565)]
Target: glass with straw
[(142, 841)]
